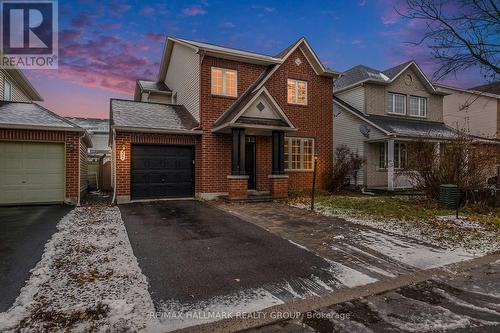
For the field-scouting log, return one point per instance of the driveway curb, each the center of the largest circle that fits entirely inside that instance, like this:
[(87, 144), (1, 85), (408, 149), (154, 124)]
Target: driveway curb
[(268, 316)]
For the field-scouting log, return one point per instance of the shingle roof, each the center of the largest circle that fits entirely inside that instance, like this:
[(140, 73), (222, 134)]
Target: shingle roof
[(403, 126), (33, 115), (361, 72), (357, 74), (153, 85), (492, 88), (151, 116), (219, 48), (92, 124)]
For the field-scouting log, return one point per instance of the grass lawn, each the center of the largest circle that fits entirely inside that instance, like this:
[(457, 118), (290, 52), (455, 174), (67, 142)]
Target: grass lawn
[(408, 208)]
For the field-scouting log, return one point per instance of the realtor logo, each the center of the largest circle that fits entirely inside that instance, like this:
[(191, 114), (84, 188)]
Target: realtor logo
[(29, 34)]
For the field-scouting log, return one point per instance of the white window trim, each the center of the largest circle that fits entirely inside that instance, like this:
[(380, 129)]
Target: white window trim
[(386, 153), (289, 162), (224, 91), (394, 104), (420, 99), (10, 84), (296, 91)]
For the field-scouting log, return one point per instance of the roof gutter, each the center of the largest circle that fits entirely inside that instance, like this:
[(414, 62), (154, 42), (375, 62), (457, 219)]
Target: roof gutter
[(155, 130), (268, 127)]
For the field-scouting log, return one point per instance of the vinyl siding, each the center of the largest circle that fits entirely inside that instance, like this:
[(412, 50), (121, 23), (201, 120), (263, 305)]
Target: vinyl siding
[(346, 131), (183, 77), (480, 117), (17, 94), (376, 96), (355, 97)]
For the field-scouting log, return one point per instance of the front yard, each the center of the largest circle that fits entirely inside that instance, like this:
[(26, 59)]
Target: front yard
[(476, 229)]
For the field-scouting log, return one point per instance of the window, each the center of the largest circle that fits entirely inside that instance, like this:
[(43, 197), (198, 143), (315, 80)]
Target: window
[(396, 103), (7, 91), (418, 106), (224, 82), (299, 154), (400, 155), (297, 92)]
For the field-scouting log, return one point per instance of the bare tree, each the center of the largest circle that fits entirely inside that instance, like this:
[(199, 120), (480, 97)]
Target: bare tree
[(460, 33)]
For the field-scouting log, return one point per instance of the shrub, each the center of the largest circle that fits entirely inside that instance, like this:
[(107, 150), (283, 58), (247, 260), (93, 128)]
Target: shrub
[(347, 163)]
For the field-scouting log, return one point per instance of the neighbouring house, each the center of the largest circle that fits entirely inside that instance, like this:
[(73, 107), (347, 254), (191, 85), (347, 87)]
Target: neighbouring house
[(219, 121), (377, 113), (99, 158), (475, 110), (43, 156)]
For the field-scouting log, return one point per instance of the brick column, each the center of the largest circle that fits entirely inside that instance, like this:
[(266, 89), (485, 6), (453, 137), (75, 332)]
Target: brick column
[(279, 185), (237, 187)]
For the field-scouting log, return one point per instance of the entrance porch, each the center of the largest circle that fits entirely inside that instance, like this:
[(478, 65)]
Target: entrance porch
[(257, 164)]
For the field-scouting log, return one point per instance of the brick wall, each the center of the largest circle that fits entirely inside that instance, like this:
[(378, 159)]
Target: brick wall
[(71, 140), (313, 120), (123, 142)]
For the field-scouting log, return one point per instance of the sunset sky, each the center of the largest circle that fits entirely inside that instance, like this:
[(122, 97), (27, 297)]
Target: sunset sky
[(106, 45)]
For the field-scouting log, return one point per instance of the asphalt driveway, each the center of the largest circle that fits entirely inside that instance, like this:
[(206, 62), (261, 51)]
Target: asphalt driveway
[(24, 230), (191, 251)]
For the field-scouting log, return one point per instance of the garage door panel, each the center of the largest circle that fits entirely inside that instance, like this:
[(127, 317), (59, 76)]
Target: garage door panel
[(32, 172), (162, 171)]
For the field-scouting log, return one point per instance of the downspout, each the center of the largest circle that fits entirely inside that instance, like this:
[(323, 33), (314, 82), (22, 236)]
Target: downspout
[(113, 164), (79, 168)]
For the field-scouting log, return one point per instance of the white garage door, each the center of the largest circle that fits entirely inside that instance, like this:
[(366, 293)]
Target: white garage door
[(31, 172)]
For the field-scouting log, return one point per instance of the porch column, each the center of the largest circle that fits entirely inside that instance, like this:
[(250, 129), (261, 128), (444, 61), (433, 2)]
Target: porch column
[(238, 152), (278, 179), (238, 180), (390, 164), (278, 154)]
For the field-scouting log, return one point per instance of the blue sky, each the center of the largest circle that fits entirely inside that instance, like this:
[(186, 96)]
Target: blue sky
[(106, 46)]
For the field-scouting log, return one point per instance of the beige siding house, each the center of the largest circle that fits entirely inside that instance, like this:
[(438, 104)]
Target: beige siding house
[(377, 113), (475, 110)]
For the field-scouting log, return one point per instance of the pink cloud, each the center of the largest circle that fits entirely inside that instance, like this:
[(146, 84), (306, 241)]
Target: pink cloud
[(155, 37), (194, 10)]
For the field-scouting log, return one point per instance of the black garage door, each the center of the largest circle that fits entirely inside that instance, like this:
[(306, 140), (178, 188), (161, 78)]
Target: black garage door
[(162, 171)]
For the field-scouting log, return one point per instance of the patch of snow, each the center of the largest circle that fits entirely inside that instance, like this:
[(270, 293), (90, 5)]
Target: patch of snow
[(347, 276), (87, 267), (176, 315), (461, 222), (301, 246), (411, 253)]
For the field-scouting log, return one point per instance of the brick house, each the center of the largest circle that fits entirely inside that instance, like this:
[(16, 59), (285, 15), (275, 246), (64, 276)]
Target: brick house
[(220, 121), (377, 113), (42, 155)]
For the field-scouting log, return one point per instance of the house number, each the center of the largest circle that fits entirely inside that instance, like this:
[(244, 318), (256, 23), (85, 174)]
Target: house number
[(122, 154)]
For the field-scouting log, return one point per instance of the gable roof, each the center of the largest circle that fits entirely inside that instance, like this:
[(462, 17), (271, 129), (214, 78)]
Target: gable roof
[(241, 55), (29, 115), (402, 127), (492, 88), (150, 86), (447, 88), (137, 116), (360, 74), (235, 115), (92, 125), (20, 79)]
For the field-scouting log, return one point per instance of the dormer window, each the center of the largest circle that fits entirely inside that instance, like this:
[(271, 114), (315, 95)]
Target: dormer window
[(224, 82), (297, 92), (418, 106), (396, 104)]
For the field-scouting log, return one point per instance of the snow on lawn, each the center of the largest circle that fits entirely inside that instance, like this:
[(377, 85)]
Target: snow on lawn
[(87, 280), (406, 242), (457, 234)]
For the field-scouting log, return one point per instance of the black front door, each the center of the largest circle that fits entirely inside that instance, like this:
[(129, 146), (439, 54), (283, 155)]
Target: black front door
[(250, 161), (161, 171)]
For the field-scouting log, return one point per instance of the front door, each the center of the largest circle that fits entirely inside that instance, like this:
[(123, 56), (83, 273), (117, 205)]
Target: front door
[(250, 161)]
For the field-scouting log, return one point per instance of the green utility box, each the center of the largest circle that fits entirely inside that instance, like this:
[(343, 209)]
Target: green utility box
[(449, 194)]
